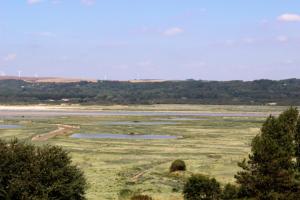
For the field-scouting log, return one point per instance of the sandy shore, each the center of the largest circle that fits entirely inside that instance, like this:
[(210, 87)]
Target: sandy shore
[(61, 130), (51, 112)]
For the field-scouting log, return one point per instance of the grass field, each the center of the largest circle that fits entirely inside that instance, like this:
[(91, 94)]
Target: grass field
[(115, 168)]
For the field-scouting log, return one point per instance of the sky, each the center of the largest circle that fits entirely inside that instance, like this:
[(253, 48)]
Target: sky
[(151, 39)]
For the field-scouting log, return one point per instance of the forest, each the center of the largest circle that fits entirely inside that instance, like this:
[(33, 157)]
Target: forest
[(258, 92)]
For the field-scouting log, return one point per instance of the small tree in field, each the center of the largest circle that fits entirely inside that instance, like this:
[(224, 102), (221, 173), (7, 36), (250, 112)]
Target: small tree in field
[(29, 172), (272, 171), (200, 187)]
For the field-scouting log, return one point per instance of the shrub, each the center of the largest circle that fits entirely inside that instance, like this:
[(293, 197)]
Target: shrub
[(200, 187), (230, 192), (141, 197), (178, 165), (125, 194), (30, 172)]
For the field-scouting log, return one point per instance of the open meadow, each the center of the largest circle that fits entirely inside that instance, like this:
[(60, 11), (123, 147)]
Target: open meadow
[(210, 139)]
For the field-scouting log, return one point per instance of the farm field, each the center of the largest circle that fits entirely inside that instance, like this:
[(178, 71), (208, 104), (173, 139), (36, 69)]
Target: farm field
[(210, 139)]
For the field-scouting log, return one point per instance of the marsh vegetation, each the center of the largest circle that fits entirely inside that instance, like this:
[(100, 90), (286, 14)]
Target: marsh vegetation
[(117, 167)]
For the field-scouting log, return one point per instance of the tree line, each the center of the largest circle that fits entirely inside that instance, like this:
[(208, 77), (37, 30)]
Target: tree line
[(283, 92)]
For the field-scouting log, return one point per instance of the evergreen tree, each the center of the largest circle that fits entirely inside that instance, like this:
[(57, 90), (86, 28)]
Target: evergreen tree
[(270, 172), (297, 145)]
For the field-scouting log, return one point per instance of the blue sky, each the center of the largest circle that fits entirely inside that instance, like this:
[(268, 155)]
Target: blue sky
[(151, 39)]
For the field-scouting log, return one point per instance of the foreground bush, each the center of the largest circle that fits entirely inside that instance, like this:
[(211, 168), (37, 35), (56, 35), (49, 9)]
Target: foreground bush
[(141, 197), (30, 172), (178, 165), (200, 187), (230, 192)]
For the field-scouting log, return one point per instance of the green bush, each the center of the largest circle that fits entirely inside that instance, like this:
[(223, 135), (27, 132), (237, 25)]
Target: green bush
[(125, 194), (200, 187), (141, 197), (178, 165), (230, 192), (30, 172)]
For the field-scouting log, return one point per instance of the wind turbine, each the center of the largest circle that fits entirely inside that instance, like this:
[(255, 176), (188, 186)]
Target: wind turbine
[(19, 74)]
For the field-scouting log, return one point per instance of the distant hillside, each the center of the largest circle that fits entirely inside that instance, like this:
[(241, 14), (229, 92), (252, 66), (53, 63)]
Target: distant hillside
[(284, 92), (68, 80), (45, 79)]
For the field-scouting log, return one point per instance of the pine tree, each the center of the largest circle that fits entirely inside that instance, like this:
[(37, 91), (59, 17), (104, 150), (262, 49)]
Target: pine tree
[(270, 171), (297, 145)]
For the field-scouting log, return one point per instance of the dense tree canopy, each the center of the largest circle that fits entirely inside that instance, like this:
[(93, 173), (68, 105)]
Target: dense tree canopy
[(35, 173), (284, 92)]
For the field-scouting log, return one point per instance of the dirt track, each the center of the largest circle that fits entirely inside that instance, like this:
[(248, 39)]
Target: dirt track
[(61, 130)]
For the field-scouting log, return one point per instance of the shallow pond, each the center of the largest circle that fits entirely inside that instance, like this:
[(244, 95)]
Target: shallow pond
[(9, 126), (121, 136)]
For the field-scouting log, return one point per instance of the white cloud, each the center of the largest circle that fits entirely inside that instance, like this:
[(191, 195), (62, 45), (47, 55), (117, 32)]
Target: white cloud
[(2, 73), (264, 22), (88, 2), (194, 64), (56, 1), (31, 2), (144, 63), (288, 62), (229, 42), (249, 40), (10, 57), (44, 34), (282, 38), (113, 44), (203, 10), (122, 66), (289, 17), (173, 31)]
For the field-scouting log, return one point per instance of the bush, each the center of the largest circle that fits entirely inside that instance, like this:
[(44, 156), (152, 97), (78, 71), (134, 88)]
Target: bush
[(178, 165), (30, 172), (230, 192), (141, 197), (125, 194), (200, 187)]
